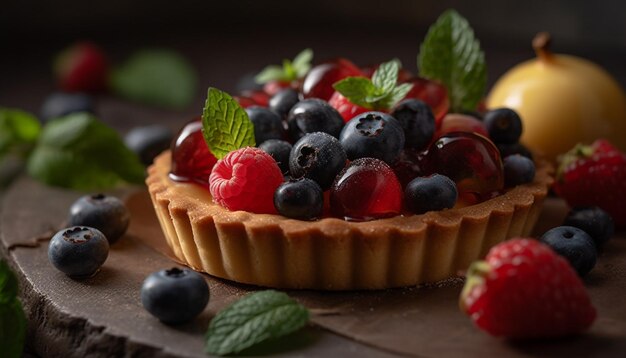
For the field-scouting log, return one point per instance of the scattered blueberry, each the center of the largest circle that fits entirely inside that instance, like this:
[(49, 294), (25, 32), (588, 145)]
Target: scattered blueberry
[(432, 193), (60, 104), (78, 251), (279, 150), (103, 212), (301, 199), (149, 141), (417, 121), (575, 245), (594, 221), (267, 124), (514, 148), (373, 135), (318, 156), (283, 101), (313, 115), (504, 125), (518, 170), (175, 296)]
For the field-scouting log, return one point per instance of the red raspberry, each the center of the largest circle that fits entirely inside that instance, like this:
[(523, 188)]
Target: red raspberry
[(347, 109), (82, 67), (246, 179), (526, 290)]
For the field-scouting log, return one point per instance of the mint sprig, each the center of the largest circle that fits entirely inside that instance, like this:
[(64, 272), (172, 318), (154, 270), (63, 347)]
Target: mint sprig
[(19, 131), (225, 125), (381, 92), (289, 71), (257, 317), (451, 54), (12, 318)]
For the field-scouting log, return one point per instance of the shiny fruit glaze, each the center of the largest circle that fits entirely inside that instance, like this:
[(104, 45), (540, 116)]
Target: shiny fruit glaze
[(431, 92), (318, 83), (191, 158)]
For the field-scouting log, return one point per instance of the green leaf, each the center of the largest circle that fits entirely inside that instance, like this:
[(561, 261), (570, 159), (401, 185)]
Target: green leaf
[(226, 126), (386, 76), (157, 77), (271, 73), (19, 131), (80, 152), (357, 90), (289, 71), (451, 54), (12, 318), (396, 95), (302, 62), (257, 317)]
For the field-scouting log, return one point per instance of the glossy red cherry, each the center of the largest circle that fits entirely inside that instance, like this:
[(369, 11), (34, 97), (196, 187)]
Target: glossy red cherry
[(433, 94), (456, 122), (364, 190), (191, 158), (470, 160), (260, 97), (318, 83), (407, 167)]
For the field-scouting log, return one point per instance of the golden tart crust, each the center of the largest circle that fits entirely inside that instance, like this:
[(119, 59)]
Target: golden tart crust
[(334, 254)]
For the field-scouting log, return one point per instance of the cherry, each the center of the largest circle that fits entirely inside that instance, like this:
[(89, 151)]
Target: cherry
[(245, 102), (347, 109), (273, 87), (318, 83), (470, 160), (431, 92), (258, 96), (191, 158), (366, 189), (407, 167), (455, 122)]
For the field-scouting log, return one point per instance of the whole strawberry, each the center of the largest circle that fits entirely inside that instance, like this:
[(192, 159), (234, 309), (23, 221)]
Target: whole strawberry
[(525, 290), (594, 175), (82, 67)]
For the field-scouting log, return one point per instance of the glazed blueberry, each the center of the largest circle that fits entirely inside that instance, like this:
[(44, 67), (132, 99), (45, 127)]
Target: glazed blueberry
[(432, 193), (515, 148), (61, 104), (301, 199), (267, 124), (318, 156), (283, 101), (148, 141), (518, 170), (594, 221), (504, 125), (279, 150), (313, 115), (78, 251), (105, 213), (573, 244), (373, 135), (417, 122), (175, 296)]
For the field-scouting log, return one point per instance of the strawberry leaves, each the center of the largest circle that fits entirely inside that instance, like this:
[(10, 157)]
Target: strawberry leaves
[(381, 92), (289, 71)]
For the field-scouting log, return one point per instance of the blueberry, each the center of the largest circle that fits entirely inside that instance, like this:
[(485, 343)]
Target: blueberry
[(373, 135), (78, 251), (518, 170), (175, 296), (105, 213), (301, 199), (313, 115), (432, 193), (514, 148), (503, 125), (61, 104), (417, 122), (279, 150), (283, 101), (149, 141), (267, 124), (594, 221), (318, 156), (575, 245)]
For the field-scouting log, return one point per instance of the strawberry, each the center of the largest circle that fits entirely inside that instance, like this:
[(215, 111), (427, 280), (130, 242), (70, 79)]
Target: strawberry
[(82, 67), (594, 176), (347, 109), (526, 290)]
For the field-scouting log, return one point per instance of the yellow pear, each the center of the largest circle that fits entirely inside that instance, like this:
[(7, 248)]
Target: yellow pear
[(562, 100)]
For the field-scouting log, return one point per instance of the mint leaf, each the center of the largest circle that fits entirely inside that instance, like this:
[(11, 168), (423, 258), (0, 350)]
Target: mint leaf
[(12, 318), (80, 152), (357, 90), (19, 131), (226, 126), (157, 77), (290, 70), (451, 54), (257, 317), (386, 76)]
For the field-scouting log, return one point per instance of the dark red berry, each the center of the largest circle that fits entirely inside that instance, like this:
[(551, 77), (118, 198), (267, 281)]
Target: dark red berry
[(319, 82), (191, 158)]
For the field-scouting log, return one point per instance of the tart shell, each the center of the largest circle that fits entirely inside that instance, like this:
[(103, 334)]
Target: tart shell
[(334, 254)]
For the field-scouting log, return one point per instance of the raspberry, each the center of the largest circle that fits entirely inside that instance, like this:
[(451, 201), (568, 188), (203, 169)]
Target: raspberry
[(246, 179)]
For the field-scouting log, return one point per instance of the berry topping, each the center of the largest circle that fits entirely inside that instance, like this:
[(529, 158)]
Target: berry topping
[(259, 97), (82, 68), (318, 156), (455, 122), (525, 290), (299, 199), (318, 83), (279, 150), (175, 296), (191, 158), (366, 189), (407, 167), (436, 192), (78, 251), (417, 122), (246, 179), (283, 101), (504, 125), (103, 212), (313, 115), (148, 141), (61, 104), (432, 93), (267, 124), (518, 170), (346, 109), (374, 135), (515, 148), (575, 245), (594, 221)]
